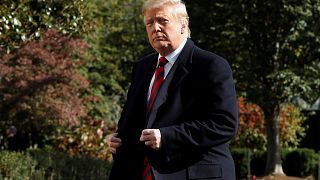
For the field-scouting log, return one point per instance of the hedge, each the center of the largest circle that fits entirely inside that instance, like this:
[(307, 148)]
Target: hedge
[(14, 165), (298, 162), (49, 164)]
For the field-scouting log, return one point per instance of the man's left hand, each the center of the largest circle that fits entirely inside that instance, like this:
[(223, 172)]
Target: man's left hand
[(151, 138)]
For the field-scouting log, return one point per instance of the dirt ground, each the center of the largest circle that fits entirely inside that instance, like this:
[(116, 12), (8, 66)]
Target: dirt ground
[(282, 178)]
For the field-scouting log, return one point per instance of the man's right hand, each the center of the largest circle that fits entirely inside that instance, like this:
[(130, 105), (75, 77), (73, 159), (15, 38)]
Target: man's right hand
[(114, 143)]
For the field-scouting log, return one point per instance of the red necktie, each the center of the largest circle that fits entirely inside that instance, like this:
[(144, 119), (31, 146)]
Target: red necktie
[(158, 80)]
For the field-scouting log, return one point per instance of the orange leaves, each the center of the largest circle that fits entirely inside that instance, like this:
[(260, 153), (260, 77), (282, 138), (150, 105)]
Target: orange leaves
[(252, 130), (251, 127), (250, 115), (291, 125), (89, 138)]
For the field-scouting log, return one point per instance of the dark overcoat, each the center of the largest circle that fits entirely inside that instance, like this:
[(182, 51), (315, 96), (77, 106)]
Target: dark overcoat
[(196, 112)]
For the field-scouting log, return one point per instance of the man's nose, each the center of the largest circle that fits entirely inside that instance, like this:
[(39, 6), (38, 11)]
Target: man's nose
[(156, 26)]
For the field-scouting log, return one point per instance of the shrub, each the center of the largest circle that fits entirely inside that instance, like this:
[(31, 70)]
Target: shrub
[(16, 165), (258, 162), (251, 126), (251, 129), (89, 138), (291, 129), (59, 165), (50, 164), (299, 162), (240, 156)]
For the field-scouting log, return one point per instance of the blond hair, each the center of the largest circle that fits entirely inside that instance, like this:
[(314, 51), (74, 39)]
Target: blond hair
[(179, 10)]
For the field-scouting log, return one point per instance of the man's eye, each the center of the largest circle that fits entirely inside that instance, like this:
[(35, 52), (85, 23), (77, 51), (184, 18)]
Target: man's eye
[(149, 23), (163, 21)]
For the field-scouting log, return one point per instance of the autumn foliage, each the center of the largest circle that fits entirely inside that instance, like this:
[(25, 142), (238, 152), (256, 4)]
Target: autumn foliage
[(45, 100), (250, 116), (252, 132), (291, 125), (251, 127), (45, 97), (39, 81)]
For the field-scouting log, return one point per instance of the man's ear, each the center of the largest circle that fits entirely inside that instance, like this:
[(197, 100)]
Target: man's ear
[(183, 28)]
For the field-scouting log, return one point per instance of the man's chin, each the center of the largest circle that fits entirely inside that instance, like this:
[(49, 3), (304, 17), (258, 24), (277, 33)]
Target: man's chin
[(160, 45)]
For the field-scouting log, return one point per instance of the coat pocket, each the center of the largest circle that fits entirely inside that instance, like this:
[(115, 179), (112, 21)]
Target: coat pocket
[(205, 171)]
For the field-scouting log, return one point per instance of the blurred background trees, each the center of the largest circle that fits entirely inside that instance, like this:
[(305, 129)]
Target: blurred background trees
[(35, 38), (65, 68), (274, 49), (40, 87)]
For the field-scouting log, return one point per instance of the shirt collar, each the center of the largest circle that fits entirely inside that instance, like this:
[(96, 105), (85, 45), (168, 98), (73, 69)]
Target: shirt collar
[(172, 57)]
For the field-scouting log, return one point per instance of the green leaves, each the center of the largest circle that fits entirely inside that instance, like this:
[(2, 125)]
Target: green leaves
[(270, 44), (26, 19), (287, 85), (273, 47), (118, 41)]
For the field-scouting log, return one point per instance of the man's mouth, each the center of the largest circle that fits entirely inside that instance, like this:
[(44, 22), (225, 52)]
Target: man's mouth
[(159, 38)]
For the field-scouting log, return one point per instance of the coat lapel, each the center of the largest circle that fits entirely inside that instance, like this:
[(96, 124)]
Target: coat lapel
[(151, 67), (142, 86), (145, 74), (177, 73), (138, 91)]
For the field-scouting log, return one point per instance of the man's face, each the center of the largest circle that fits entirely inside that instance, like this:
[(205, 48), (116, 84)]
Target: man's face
[(165, 31)]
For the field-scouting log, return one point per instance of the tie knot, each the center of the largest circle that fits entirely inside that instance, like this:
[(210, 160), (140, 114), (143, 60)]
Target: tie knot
[(162, 61)]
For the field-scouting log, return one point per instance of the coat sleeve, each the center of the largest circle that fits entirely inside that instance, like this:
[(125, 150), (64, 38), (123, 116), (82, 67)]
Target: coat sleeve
[(217, 122)]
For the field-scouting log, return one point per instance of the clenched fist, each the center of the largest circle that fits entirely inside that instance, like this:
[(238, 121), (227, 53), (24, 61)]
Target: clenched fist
[(151, 138)]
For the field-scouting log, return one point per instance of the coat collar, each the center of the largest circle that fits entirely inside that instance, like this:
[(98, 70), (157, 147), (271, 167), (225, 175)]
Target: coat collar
[(184, 63)]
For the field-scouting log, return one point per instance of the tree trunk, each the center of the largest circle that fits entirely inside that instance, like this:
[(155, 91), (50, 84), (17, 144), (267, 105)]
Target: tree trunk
[(274, 166)]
